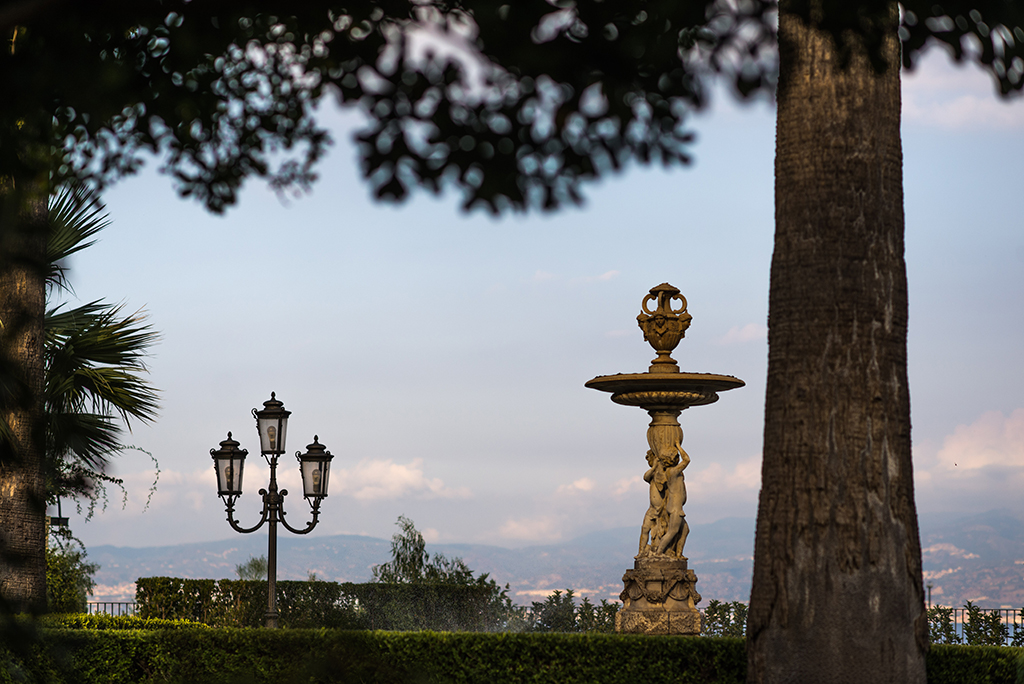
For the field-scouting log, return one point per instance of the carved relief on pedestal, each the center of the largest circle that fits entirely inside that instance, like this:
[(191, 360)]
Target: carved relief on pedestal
[(659, 585)]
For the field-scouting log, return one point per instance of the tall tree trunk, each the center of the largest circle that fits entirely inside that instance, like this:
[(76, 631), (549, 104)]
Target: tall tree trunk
[(837, 593), (22, 475)]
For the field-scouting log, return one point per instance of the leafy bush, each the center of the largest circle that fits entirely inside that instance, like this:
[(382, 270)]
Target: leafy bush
[(559, 613), (980, 627), (725, 619), (256, 568), (984, 628), (941, 626), (68, 579), (1018, 631)]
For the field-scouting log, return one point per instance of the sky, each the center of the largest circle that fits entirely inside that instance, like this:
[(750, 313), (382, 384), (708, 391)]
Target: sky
[(441, 356)]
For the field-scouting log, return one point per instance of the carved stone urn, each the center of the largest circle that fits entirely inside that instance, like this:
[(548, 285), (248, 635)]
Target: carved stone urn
[(659, 594)]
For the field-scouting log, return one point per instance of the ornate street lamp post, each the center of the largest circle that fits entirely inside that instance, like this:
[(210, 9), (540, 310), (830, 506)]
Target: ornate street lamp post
[(314, 465)]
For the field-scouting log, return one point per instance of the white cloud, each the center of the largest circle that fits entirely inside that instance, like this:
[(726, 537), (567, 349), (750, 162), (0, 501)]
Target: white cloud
[(949, 549), (431, 535), (541, 276), (749, 333), (628, 485), (113, 592), (173, 488), (944, 95), (603, 278), (584, 484), (384, 479), (541, 528), (991, 440), (938, 574), (980, 466), (745, 476)]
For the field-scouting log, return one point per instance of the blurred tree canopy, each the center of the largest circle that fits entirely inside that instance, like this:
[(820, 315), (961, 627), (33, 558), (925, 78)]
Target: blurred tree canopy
[(514, 104)]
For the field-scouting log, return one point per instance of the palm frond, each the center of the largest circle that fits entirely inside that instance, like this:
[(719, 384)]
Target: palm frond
[(75, 215), (94, 357), (99, 333), (87, 437)]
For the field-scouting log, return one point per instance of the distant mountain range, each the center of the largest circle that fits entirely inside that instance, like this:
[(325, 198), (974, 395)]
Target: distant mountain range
[(978, 558)]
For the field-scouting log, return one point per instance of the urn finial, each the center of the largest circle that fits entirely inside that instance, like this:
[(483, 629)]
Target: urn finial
[(665, 326)]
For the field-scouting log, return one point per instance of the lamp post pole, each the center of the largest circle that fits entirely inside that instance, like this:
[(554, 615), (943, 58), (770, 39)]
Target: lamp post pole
[(314, 465)]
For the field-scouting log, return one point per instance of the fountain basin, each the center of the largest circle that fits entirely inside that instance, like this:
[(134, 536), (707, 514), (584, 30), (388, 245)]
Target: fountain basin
[(664, 390)]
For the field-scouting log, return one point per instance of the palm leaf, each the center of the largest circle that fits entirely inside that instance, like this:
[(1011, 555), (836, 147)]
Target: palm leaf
[(75, 215), (94, 358)]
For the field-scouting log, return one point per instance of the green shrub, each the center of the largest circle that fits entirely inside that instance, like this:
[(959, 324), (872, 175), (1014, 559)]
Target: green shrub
[(725, 619), (560, 613), (243, 603), (68, 579), (104, 621), (949, 664), (984, 627), (941, 628), (228, 655)]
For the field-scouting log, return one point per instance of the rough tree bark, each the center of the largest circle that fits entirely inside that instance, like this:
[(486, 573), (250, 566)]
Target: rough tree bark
[(22, 474), (837, 592)]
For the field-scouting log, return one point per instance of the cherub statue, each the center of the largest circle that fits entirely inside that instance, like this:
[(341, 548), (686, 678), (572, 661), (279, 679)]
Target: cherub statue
[(676, 530), (651, 530)]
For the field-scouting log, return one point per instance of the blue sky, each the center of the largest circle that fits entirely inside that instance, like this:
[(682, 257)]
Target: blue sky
[(441, 356)]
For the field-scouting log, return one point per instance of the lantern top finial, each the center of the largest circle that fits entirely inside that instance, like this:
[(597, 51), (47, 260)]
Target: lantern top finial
[(227, 447)]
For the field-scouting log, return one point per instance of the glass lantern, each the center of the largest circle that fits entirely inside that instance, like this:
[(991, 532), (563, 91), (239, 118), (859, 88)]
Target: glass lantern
[(272, 423), (315, 466), (228, 462)]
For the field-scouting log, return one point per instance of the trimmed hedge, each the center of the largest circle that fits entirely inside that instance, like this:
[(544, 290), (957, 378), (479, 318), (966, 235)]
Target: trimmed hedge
[(949, 664), (230, 656), (104, 621), (425, 606), (235, 656), (243, 603)]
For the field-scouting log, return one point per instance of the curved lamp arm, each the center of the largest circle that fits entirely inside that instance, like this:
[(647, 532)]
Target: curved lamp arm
[(230, 503), (309, 526)]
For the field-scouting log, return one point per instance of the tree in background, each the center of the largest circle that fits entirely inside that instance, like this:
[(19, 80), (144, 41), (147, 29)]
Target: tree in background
[(725, 619), (560, 613), (410, 563), (565, 94), (69, 578), (254, 569)]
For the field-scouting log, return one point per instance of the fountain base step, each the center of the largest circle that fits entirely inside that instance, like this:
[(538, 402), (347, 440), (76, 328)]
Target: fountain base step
[(685, 623)]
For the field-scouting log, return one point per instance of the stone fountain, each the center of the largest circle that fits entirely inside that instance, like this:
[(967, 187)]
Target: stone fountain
[(660, 594)]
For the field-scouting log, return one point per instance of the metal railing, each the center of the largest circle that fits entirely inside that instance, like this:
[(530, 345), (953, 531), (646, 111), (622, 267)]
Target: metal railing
[(111, 607)]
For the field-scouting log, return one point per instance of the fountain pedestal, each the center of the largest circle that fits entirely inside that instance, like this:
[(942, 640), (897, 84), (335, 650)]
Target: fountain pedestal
[(659, 598), (659, 594)]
